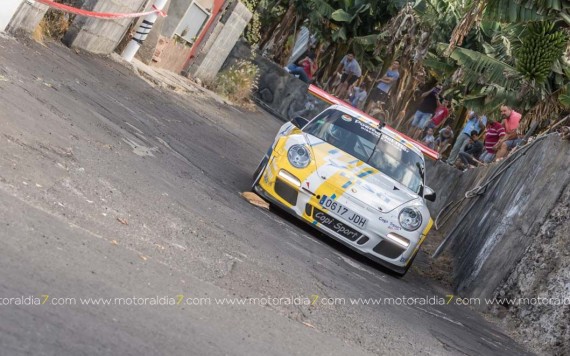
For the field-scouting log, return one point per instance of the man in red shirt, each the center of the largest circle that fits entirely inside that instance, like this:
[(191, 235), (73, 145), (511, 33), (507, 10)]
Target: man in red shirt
[(511, 120), (439, 117), (304, 68), (495, 131)]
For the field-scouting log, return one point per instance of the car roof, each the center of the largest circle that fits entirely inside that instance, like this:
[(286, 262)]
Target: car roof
[(395, 135), (326, 97)]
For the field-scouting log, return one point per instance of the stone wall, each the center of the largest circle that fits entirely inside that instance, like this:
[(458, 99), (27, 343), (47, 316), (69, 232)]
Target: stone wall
[(277, 91), (515, 239)]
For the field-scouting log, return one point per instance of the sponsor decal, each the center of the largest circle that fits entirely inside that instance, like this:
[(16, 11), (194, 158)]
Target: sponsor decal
[(346, 118), (394, 226), (366, 127), (369, 121), (394, 143), (385, 221)]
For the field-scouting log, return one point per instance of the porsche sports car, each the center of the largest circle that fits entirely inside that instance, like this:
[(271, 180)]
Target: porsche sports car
[(352, 179)]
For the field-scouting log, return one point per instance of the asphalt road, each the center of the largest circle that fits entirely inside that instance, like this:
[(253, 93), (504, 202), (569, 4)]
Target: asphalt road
[(113, 189)]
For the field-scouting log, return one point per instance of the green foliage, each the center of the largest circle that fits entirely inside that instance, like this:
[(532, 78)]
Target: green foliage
[(564, 98), (482, 69), (252, 31), (507, 57), (517, 10), (502, 54), (541, 46), (338, 26)]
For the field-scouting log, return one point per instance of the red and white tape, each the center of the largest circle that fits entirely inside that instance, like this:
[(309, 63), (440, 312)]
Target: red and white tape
[(98, 15)]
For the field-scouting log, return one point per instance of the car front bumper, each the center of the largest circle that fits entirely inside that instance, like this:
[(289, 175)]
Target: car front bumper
[(377, 248)]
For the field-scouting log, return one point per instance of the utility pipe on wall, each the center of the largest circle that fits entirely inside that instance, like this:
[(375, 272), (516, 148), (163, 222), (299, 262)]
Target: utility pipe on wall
[(142, 32)]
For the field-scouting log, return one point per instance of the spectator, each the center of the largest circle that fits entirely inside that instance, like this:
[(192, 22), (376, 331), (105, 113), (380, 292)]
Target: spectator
[(358, 95), (511, 121), (474, 123), (495, 131), (472, 150), (440, 116), (444, 139), (429, 139), (382, 90), (350, 72), (425, 111), (305, 68)]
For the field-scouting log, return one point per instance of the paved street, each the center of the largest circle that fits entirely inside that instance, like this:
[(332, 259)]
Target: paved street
[(110, 188)]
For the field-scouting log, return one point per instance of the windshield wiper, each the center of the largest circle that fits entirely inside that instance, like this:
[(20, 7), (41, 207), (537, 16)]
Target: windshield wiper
[(375, 146)]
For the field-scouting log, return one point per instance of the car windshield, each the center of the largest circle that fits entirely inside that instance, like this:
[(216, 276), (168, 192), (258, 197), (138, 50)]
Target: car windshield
[(368, 144)]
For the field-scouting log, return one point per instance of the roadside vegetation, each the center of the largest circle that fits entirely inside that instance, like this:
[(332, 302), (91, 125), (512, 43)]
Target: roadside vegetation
[(484, 52), (238, 82)]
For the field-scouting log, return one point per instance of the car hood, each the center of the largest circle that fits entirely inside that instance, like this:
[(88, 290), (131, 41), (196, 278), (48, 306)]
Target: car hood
[(348, 176)]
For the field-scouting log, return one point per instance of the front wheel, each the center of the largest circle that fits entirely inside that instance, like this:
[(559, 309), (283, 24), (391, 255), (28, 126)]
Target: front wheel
[(258, 173)]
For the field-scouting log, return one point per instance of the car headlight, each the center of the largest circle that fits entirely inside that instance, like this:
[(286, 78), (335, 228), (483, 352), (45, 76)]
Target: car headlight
[(410, 219), (299, 156)]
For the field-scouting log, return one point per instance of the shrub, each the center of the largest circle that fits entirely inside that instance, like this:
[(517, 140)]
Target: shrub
[(56, 23), (238, 82)]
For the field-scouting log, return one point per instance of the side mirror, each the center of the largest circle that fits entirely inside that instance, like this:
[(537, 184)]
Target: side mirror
[(299, 122), (429, 194)]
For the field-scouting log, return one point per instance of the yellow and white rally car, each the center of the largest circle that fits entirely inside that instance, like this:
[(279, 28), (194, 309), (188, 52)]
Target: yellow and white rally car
[(352, 179)]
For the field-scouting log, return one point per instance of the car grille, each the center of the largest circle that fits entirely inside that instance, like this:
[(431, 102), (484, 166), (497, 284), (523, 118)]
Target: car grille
[(388, 249), (285, 191)]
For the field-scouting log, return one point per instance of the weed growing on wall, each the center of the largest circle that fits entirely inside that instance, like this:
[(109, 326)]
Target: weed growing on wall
[(238, 82)]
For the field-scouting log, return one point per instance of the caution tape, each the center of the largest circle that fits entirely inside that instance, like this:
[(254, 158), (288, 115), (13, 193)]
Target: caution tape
[(98, 15)]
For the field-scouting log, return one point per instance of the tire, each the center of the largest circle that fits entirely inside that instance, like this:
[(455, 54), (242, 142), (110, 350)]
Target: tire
[(258, 173)]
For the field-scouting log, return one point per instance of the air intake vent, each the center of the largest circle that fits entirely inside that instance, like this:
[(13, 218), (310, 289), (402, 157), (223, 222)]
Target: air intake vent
[(285, 191), (388, 249)]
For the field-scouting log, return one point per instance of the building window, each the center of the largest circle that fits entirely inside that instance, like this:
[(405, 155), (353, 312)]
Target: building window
[(192, 23)]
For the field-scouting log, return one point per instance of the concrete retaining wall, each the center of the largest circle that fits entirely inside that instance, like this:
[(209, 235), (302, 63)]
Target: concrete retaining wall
[(9, 8), (224, 42), (515, 240), (26, 18), (97, 35)]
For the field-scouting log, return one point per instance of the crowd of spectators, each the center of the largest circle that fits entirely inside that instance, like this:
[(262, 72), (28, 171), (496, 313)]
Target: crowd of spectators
[(481, 140)]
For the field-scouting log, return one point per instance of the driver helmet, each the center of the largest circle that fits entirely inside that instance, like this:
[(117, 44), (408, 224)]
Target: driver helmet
[(336, 133)]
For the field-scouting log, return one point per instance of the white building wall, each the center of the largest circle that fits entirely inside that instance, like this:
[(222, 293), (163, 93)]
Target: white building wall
[(8, 10)]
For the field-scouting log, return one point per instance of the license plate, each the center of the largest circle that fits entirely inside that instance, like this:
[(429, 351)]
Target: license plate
[(343, 211)]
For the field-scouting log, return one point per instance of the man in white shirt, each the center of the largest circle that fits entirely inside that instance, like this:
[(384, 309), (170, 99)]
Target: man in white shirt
[(350, 72)]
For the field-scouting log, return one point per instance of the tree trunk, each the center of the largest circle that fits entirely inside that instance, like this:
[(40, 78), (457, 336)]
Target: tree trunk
[(268, 32), (279, 37)]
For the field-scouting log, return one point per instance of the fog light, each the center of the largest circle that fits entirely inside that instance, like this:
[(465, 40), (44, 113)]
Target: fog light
[(289, 178), (402, 241)]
